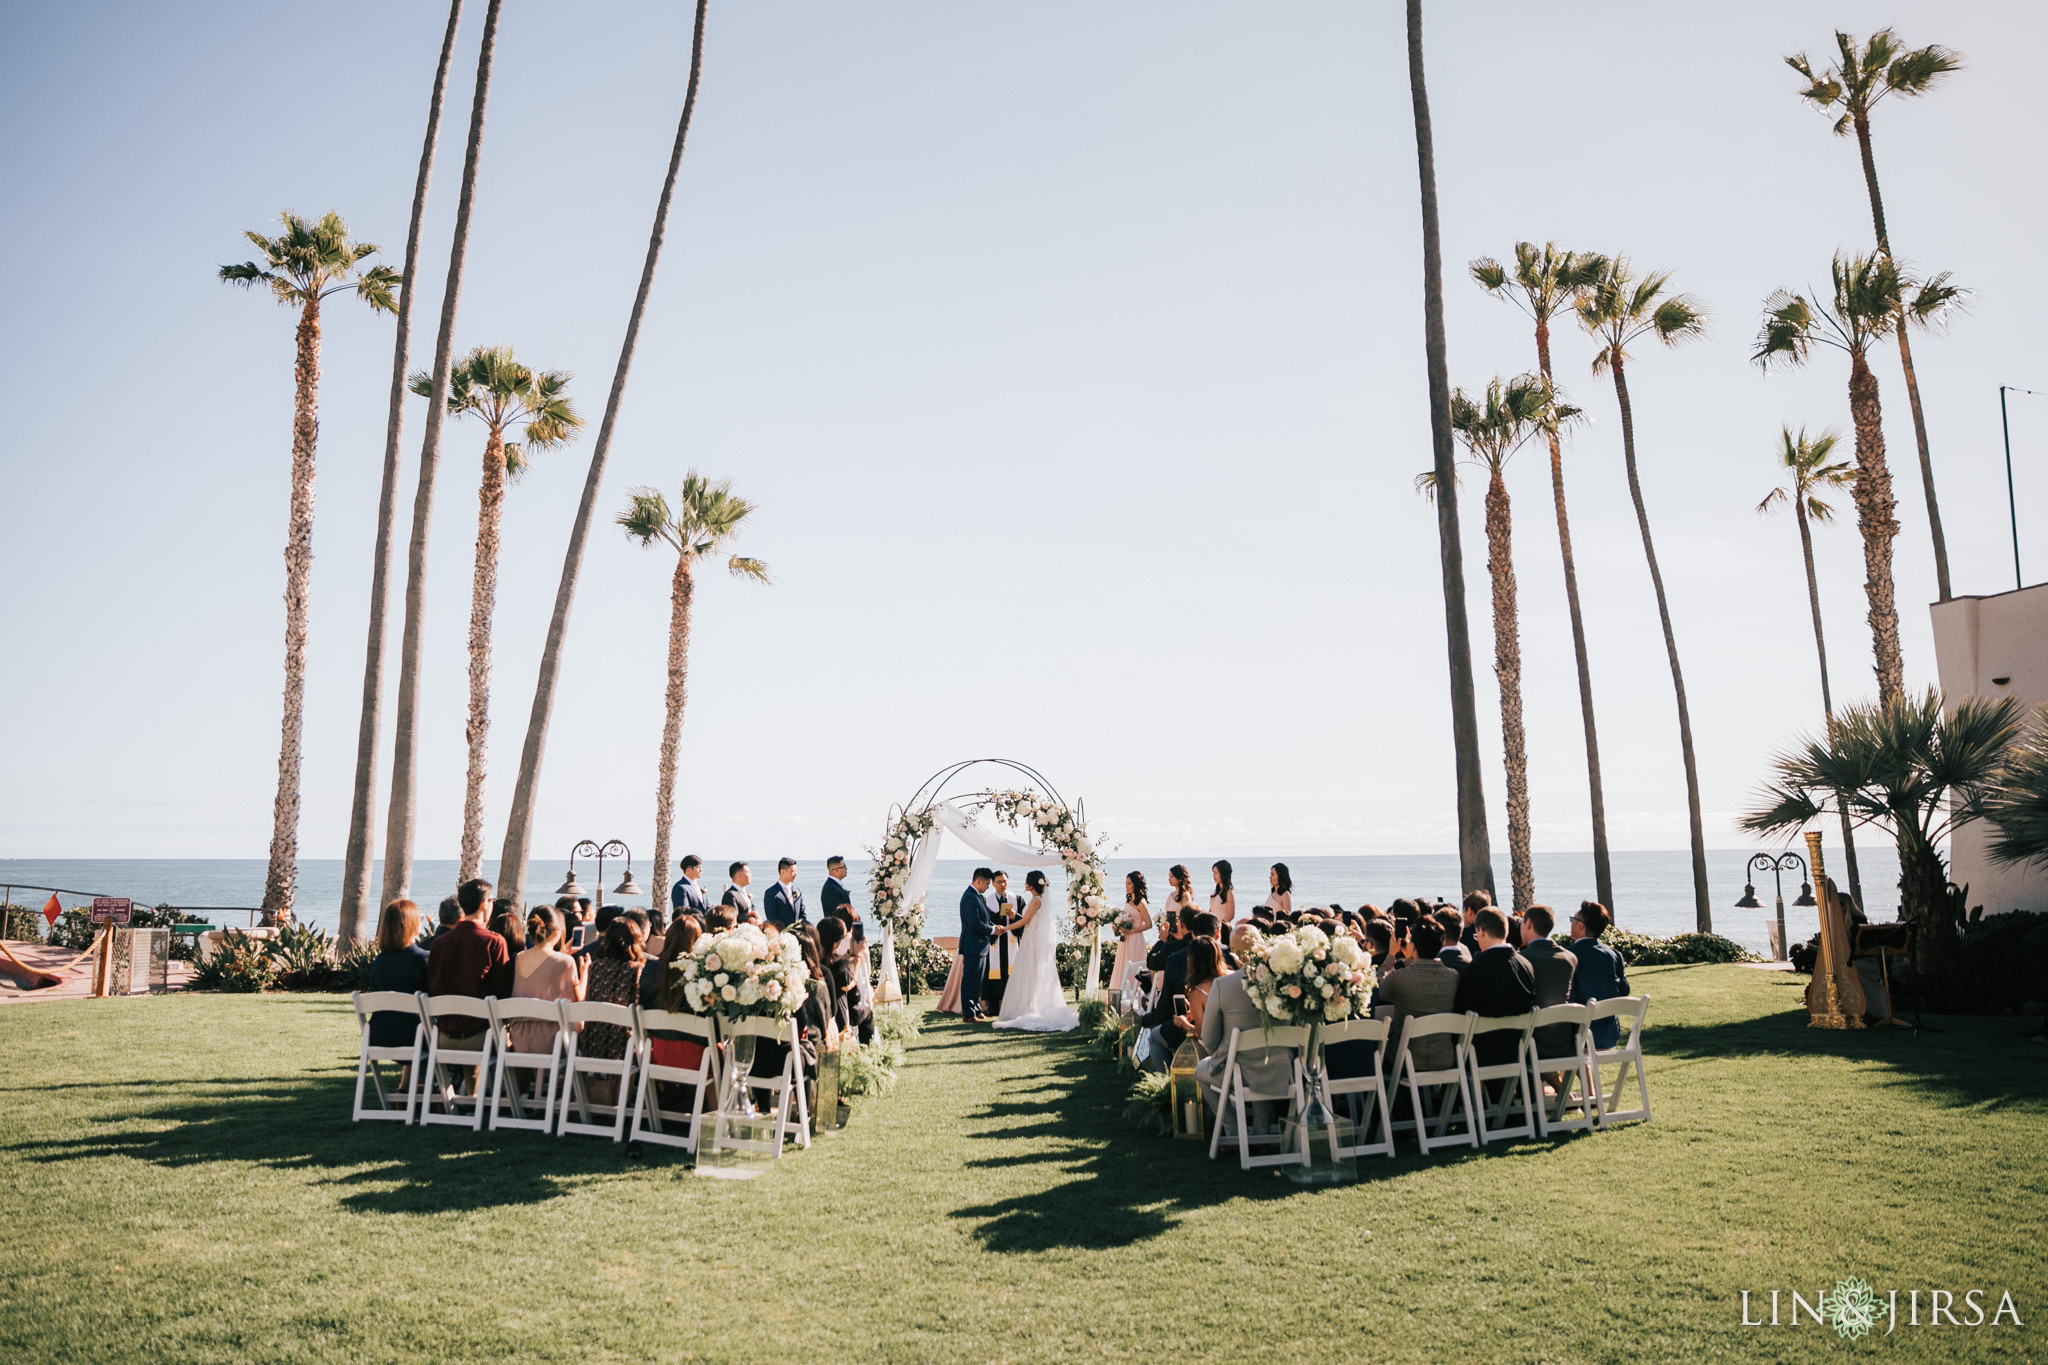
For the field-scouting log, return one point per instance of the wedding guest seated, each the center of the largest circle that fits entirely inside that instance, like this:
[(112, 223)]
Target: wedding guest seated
[(506, 924), (466, 960), (612, 978), (542, 972), (451, 911), (666, 1048), (723, 918), (1165, 1035), (1553, 964), (657, 923), (1454, 954), (1425, 984), (1166, 945), (1229, 1007), (833, 937), (1498, 985), (1468, 932), (594, 940), (1205, 965), (1379, 941), (400, 965), (1600, 974)]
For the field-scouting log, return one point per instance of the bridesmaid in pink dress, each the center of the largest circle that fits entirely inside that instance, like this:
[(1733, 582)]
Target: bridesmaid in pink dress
[(1180, 891), (1130, 950)]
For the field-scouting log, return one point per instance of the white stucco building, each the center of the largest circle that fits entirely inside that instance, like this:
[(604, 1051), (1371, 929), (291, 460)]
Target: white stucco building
[(1994, 646)]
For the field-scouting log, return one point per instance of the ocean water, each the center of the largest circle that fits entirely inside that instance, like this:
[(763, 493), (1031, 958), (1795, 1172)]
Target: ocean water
[(1652, 890)]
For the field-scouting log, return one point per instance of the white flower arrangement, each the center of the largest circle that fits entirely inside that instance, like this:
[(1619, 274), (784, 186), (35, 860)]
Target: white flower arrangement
[(1309, 977), (890, 870), (744, 972), (1062, 831)]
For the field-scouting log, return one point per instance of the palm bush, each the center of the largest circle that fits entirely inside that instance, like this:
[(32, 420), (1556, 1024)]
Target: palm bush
[(303, 958), (1909, 769), (2019, 807), (242, 965)]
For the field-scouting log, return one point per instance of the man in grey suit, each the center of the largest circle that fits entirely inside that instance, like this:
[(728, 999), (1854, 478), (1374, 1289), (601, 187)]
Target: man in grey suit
[(1267, 1069), (1423, 985), (1553, 964)]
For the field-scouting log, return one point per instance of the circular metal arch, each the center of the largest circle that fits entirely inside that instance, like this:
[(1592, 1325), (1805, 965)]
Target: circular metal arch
[(932, 790)]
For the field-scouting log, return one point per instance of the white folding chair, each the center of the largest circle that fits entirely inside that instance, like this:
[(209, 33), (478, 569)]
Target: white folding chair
[(1453, 1083), (444, 1087), (790, 1109), (1568, 1068), (1625, 1056), (411, 1057), (536, 1113), (650, 1120), (1493, 1117), (1233, 1094), (575, 1093), (1367, 1095)]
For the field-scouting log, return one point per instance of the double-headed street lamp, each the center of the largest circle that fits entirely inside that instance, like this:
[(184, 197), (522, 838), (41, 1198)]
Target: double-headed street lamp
[(1777, 866), (591, 848)]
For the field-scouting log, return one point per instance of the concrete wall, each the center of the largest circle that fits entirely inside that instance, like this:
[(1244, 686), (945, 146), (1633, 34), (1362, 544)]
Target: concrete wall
[(1994, 647)]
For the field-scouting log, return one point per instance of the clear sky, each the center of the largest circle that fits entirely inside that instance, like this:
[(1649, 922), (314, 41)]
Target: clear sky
[(1072, 351)]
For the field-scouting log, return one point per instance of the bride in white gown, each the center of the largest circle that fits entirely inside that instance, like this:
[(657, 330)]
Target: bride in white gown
[(1033, 999)]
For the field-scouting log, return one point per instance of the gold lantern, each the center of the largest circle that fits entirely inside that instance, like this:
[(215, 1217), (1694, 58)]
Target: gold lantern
[(1189, 1110)]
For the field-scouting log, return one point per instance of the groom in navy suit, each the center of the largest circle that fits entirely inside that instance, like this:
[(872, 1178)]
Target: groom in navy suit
[(976, 925)]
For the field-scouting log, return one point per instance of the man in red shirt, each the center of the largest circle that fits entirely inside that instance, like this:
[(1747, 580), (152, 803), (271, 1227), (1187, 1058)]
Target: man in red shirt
[(467, 959)]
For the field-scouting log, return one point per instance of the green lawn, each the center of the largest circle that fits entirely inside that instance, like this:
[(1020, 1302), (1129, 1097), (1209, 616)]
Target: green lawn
[(182, 1183)]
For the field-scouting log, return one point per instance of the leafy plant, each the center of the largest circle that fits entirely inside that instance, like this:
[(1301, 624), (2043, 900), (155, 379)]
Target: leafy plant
[(922, 966), (870, 1070), (899, 1023), (1091, 1014), (1150, 1105), (354, 969), (2019, 805), (242, 965), (1681, 949), (303, 958), (21, 923)]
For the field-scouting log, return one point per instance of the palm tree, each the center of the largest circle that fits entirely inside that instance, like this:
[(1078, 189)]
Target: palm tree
[(304, 264), (355, 874), (1544, 283), (1618, 310), (1907, 767), (491, 384), (401, 816), (2019, 805), (705, 520), (519, 826), (1493, 430), (1804, 462), (1869, 303), (1866, 74), (1475, 858)]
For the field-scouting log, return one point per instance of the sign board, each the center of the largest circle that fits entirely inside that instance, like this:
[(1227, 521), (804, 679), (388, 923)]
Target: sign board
[(111, 909)]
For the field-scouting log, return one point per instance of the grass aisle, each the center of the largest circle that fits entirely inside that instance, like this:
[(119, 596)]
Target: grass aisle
[(181, 1183)]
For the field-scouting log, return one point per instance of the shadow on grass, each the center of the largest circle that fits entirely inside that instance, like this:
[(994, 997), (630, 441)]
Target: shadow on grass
[(1124, 1185), (304, 1125)]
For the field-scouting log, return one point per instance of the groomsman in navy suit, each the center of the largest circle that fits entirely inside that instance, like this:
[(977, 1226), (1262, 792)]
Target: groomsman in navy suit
[(784, 903), (834, 893), (687, 896), (737, 896)]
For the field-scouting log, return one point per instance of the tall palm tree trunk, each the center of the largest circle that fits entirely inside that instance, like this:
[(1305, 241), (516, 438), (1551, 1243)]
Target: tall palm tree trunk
[(1703, 908), (403, 816), (681, 591), (482, 599), (1603, 870), (519, 823), (1475, 856), (1507, 666), (360, 852), (1827, 699), (1884, 244), (1877, 520), (280, 882)]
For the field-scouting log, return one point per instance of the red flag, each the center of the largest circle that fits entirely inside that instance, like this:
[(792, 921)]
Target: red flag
[(52, 908)]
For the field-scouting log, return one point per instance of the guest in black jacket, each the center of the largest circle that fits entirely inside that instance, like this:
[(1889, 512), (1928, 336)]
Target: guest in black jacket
[(832, 931), (1499, 984)]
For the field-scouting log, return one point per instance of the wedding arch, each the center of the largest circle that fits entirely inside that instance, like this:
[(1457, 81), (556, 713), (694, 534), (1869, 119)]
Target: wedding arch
[(1056, 835)]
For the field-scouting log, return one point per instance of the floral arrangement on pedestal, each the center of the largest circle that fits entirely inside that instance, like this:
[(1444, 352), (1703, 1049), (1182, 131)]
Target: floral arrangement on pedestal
[(1060, 830), (744, 972), (891, 869), (1309, 977)]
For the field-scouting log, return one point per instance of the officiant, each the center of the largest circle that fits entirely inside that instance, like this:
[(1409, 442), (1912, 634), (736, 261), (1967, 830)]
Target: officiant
[(1002, 910)]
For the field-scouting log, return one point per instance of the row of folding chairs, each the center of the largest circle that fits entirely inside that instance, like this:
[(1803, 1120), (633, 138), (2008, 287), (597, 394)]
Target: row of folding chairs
[(483, 1083), (1464, 1104)]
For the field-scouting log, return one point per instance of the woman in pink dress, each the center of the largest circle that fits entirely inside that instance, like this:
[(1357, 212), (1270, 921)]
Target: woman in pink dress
[(1130, 950), (543, 972), (1180, 892)]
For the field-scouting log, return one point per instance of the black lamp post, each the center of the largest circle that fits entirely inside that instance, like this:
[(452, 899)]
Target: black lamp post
[(591, 848), (1776, 866)]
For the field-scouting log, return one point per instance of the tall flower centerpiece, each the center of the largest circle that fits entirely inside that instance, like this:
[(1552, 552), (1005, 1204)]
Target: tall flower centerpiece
[(742, 972), (1058, 828), (889, 870), (1308, 977)]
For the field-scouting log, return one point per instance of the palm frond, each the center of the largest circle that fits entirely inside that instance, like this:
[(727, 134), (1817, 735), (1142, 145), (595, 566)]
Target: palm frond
[(742, 567), (1915, 72), (2018, 806), (646, 516), (1489, 275), (1787, 332)]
